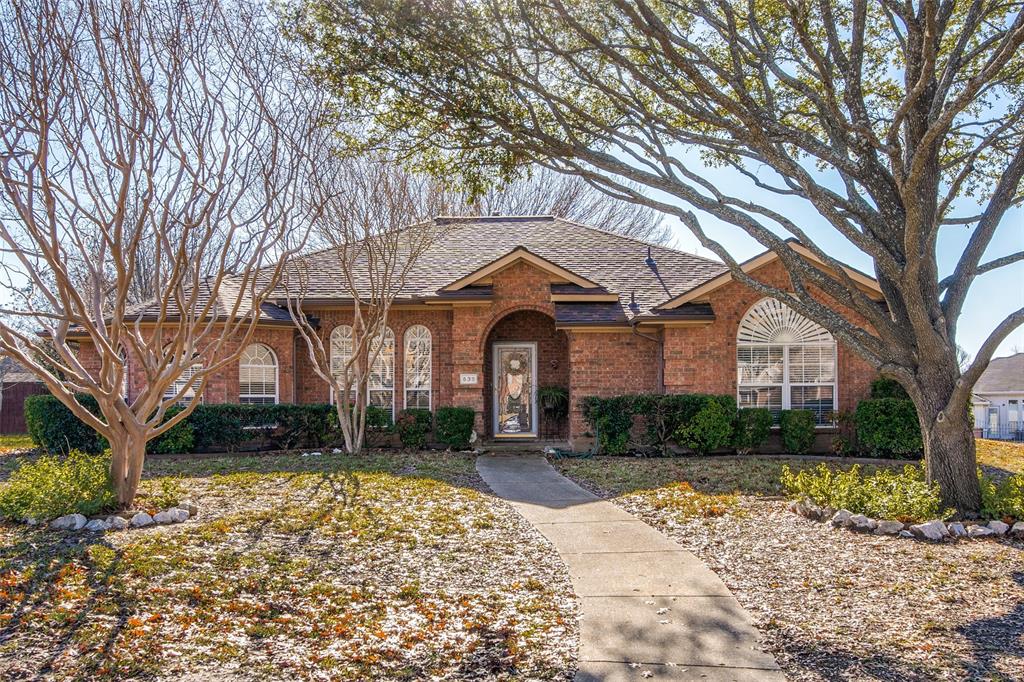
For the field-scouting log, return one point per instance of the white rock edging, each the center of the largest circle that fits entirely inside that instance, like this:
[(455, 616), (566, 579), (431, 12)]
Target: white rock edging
[(933, 531), (185, 510)]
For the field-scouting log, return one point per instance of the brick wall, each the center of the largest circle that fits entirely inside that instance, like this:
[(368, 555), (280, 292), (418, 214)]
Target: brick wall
[(607, 364), (703, 358), (221, 386)]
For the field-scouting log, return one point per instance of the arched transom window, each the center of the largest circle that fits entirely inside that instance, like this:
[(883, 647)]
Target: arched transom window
[(417, 367), (341, 350), (785, 361), (381, 382), (257, 376)]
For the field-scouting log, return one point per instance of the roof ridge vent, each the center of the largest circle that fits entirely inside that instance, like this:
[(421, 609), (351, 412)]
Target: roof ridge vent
[(449, 219)]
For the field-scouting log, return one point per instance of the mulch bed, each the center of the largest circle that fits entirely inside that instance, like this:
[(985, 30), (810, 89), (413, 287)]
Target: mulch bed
[(837, 605), (395, 566)]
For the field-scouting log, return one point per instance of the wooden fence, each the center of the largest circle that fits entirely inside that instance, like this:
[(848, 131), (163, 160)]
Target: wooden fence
[(12, 413)]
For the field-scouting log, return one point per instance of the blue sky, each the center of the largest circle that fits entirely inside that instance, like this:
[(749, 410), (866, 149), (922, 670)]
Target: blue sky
[(992, 298)]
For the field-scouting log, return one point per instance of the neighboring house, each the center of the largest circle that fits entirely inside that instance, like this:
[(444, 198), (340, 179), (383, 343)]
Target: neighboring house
[(500, 306), (16, 384), (999, 399)]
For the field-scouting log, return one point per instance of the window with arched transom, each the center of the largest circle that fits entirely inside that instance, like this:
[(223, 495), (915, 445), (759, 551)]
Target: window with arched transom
[(785, 361), (417, 367), (257, 376), (341, 351), (381, 381)]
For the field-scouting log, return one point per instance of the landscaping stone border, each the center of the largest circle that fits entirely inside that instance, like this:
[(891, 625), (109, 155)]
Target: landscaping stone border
[(934, 531), (139, 519)]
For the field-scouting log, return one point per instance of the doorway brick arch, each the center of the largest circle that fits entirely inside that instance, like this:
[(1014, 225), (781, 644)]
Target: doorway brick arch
[(529, 324), (499, 317)]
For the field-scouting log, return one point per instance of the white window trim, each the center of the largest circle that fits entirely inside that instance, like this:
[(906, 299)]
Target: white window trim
[(330, 344), (369, 389), (430, 369), (277, 378), (786, 385)]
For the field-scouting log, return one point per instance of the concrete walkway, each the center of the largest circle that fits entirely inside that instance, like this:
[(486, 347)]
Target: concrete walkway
[(644, 599)]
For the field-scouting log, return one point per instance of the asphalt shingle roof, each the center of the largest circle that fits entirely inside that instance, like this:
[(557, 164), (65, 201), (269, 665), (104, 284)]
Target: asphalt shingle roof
[(464, 245), (1003, 375), (642, 275)]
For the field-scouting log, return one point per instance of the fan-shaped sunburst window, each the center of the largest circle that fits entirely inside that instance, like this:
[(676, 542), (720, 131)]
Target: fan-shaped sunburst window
[(785, 361)]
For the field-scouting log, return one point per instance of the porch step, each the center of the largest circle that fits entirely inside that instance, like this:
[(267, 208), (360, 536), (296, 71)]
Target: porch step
[(531, 445)]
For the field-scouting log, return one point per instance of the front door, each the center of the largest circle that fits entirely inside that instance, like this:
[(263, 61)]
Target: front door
[(515, 390)]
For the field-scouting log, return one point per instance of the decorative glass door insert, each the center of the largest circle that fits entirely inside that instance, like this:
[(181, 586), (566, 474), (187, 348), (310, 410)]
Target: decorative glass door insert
[(515, 389)]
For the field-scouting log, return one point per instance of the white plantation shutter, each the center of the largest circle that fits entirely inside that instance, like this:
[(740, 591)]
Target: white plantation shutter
[(381, 382), (785, 361), (342, 345), (417, 367), (186, 379), (257, 376)]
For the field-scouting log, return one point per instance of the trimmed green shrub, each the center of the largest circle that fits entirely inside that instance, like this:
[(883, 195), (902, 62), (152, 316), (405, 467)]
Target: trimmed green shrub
[(378, 419), (796, 427), (753, 426), (413, 425), (665, 414), (667, 418), (180, 438), (53, 486), (612, 420), (208, 427), (711, 427), (218, 426), (453, 426), (883, 387), (886, 494), (1002, 499), (888, 427), (55, 429), (297, 425)]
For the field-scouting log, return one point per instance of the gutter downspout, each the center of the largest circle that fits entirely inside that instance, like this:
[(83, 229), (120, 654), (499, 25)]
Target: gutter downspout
[(661, 352)]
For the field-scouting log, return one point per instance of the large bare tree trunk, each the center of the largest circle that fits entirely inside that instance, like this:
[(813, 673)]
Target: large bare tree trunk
[(947, 433), (950, 461), (127, 455)]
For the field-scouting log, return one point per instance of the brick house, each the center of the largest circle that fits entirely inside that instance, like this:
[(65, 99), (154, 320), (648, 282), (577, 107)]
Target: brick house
[(501, 306)]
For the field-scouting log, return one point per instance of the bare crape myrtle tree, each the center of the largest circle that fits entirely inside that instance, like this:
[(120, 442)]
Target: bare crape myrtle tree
[(896, 123), (147, 153), (374, 218)]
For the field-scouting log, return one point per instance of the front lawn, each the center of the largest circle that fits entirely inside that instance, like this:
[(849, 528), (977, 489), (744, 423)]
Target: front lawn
[(1001, 455), (380, 567), (15, 443), (832, 604)]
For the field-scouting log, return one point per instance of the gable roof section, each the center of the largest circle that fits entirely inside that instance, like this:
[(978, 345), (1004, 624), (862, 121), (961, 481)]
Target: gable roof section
[(592, 264), (1003, 375), (521, 254), (700, 292)]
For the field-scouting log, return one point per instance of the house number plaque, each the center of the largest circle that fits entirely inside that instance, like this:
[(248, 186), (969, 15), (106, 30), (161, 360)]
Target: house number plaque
[(467, 379)]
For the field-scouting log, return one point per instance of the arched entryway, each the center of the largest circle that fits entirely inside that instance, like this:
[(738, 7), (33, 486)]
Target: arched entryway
[(522, 354)]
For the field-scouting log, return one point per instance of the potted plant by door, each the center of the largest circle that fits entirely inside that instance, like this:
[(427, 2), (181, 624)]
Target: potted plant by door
[(554, 400)]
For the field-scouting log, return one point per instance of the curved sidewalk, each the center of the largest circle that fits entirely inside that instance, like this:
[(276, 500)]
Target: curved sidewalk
[(650, 609)]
